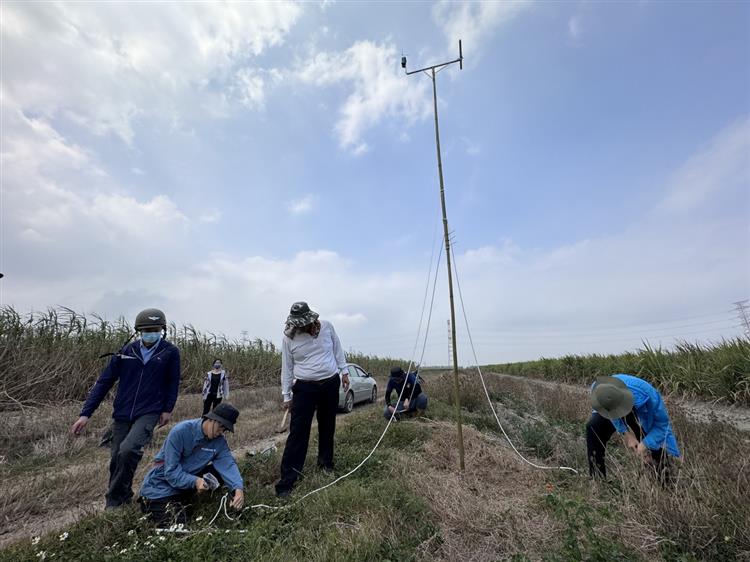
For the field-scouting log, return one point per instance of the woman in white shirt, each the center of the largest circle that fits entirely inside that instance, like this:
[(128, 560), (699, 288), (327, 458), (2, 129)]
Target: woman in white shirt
[(311, 360)]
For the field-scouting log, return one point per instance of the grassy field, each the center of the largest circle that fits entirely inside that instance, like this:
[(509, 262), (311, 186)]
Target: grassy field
[(54, 356), (719, 371), (409, 502)]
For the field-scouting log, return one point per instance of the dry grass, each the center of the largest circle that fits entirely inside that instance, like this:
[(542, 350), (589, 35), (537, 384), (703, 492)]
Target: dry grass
[(703, 513), (53, 478), (486, 513)]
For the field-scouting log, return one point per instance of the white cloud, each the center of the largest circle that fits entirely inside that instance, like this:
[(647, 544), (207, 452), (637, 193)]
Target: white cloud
[(472, 148), (473, 22), (72, 235), (679, 257), (63, 217), (574, 27), (346, 319), (379, 89), (724, 162), (249, 88), (503, 255), (301, 206), (211, 216), (173, 62)]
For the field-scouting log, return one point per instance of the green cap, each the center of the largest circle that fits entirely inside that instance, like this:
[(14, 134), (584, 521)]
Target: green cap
[(611, 398)]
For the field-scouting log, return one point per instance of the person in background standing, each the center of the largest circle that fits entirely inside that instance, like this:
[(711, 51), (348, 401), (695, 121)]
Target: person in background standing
[(215, 387)]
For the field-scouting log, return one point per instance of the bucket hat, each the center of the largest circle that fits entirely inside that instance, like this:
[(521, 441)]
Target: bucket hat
[(225, 414), (300, 315), (611, 398)]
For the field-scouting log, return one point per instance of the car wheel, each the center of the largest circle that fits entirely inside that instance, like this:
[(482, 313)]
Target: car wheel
[(374, 397), (349, 402)]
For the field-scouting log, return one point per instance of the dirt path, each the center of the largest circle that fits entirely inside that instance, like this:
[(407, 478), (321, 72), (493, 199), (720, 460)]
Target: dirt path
[(697, 410)]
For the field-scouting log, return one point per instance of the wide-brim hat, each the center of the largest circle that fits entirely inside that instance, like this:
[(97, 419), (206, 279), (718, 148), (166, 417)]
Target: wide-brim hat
[(300, 315), (225, 414), (611, 398)]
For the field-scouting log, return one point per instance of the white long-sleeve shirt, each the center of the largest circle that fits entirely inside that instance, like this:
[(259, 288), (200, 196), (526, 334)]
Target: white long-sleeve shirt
[(310, 359)]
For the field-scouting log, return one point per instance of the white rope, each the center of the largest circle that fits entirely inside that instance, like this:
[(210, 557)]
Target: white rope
[(427, 329), (486, 392), (222, 505), (426, 290)]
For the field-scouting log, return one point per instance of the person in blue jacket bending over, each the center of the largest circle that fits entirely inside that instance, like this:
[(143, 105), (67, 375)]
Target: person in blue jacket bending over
[(148, 375), (635, 409), (413, 399), (194, 459)]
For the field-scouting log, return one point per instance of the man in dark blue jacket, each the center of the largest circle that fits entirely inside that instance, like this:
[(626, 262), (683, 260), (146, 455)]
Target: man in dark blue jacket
[(148, 371), (412, 398)]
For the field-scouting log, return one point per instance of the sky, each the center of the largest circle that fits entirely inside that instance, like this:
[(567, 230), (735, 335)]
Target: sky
[(221, 161)]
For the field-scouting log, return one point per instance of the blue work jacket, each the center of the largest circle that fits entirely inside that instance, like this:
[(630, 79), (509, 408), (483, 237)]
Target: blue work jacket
[(652, 415), (185, 453)]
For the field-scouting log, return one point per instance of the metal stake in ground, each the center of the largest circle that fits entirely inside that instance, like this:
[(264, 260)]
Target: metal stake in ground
[(432, 72)]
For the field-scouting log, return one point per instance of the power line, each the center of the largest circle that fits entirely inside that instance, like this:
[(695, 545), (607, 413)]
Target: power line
[(636, 328), (608, 331), (519, 338)]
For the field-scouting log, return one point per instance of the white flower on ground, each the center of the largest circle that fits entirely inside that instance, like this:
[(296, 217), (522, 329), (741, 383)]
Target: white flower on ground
[(35, 541), (123, 551), (131, 532), (199, 518), (64, 536), (42, 554)]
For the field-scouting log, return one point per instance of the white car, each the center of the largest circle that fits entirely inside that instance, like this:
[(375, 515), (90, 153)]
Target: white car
[(362, 388)]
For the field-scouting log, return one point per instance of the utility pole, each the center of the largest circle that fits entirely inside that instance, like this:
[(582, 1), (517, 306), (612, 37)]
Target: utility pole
[(742, 313), (450, 342), (433, 70)]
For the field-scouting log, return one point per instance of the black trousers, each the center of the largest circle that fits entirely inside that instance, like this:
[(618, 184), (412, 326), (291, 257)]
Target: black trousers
[(599, 430), (308, 397), (176, 508), (210, 403), (128, 440)]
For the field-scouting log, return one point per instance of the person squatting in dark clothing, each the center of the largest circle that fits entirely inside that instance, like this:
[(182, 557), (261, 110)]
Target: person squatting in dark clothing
[(413, 398)]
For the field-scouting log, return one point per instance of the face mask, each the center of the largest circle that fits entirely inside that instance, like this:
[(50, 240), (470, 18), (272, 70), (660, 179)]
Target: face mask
[(150, 337), (217, 366)]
